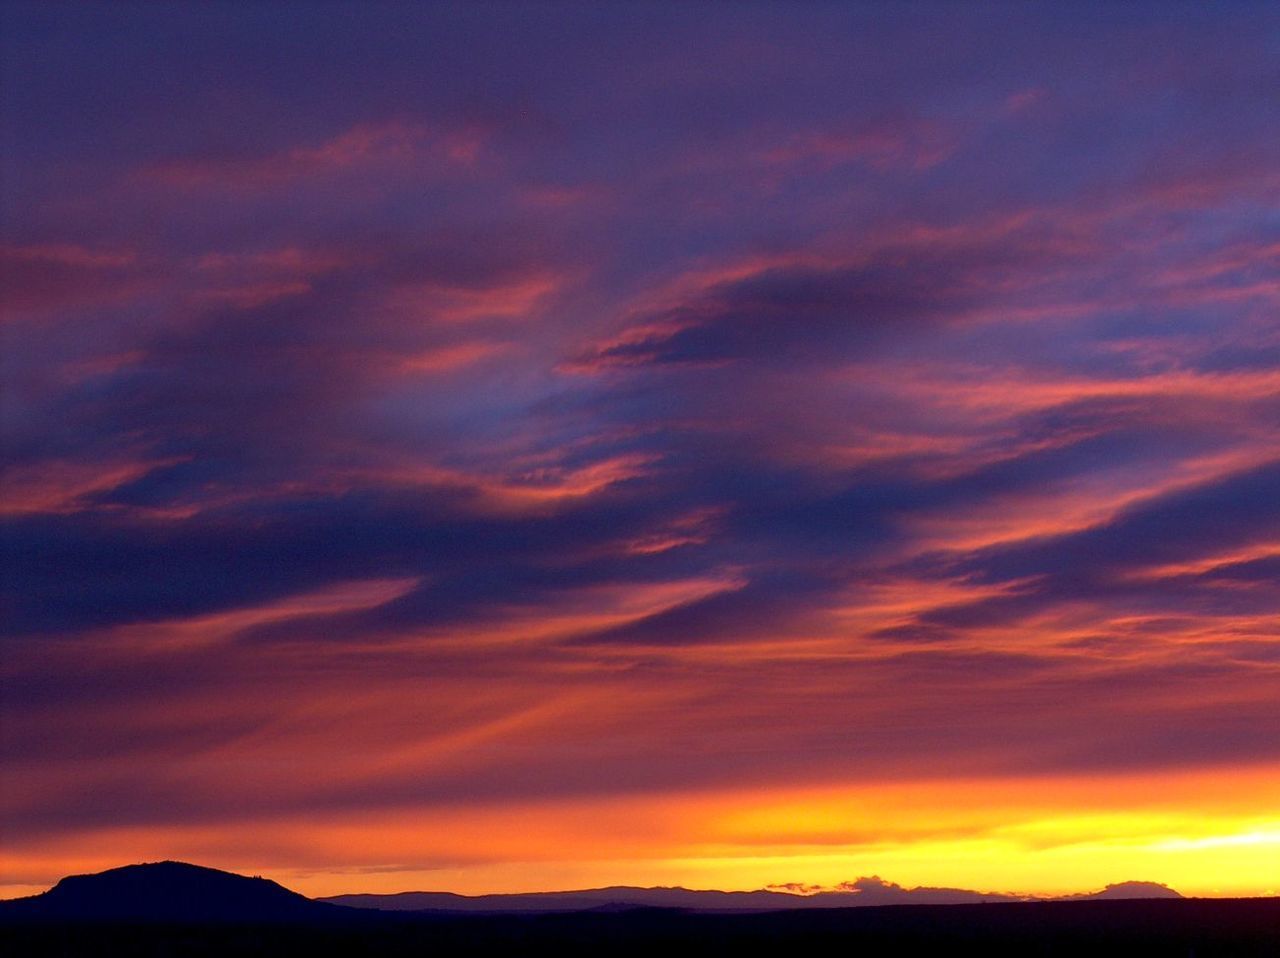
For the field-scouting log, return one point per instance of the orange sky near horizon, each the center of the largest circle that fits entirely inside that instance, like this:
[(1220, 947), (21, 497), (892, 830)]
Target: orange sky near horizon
[(1040, 837)]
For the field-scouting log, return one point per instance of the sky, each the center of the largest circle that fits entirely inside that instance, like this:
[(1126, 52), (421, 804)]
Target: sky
[(502, 447)]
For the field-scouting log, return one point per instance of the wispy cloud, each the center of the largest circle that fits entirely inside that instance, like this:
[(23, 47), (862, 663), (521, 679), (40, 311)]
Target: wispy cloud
[(707, 445)]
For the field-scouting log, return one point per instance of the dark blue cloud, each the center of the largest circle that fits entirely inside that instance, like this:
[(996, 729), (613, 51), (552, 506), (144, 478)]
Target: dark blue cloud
[(880, 390)]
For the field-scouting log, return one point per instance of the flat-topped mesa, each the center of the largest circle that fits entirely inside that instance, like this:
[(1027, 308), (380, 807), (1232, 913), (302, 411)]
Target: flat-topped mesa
[(169, 891)]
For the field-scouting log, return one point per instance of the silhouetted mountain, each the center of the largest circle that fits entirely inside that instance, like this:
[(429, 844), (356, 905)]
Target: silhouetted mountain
[(175, 891), (169, 908), (571, 901), (864, 891), (1125, 890), (876, 891), (168, 892)]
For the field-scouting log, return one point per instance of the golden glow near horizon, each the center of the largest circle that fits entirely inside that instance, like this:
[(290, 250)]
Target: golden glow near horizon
[(1028, 836)]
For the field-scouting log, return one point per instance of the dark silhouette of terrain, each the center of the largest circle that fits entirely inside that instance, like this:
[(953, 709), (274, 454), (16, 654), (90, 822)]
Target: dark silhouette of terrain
[(1126, 889), (861, 893), (167, 891), (1123, 890), (175, 909), (866, 891)]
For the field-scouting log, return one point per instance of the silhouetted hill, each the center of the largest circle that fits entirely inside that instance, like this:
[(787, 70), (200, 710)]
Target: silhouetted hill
[(175, 891), (864, 892), (860, 893), (1127, 890), (169, 908), (570, 901), (874, 890), (168, 892)]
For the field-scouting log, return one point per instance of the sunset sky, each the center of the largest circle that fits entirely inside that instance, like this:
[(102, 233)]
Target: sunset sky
[(504, 447)]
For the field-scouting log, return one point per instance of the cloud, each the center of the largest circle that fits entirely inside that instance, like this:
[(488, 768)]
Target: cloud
[(451, 409), (389, 147), (809, 311), (38, 277)]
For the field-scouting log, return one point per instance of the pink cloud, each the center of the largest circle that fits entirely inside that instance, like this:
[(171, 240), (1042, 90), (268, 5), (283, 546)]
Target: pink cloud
[(387, 147)]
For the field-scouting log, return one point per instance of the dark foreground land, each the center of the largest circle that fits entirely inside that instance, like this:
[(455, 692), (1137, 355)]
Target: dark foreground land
[(1189, 928)]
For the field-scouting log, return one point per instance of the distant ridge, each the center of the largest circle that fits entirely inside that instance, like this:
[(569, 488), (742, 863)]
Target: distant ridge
[(1126, 890), (168, 891), (180, 892), (864, 892), (171, 908)]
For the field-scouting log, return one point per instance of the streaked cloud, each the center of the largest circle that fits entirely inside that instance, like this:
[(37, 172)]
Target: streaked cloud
[(642, 446)]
